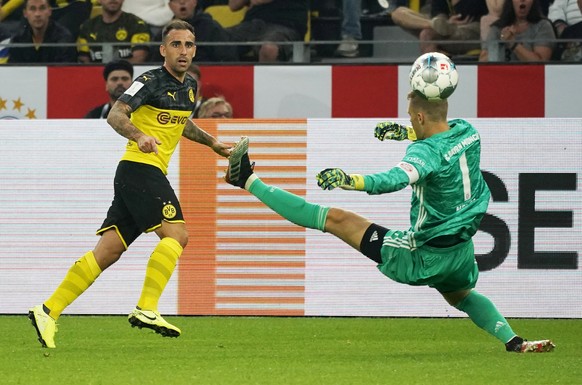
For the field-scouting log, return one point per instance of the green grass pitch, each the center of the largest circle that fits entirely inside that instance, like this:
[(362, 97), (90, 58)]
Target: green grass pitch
[(279, 350)]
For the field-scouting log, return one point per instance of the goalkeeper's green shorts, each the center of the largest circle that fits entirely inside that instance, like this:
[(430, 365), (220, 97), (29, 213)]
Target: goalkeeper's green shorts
[(446, 269)]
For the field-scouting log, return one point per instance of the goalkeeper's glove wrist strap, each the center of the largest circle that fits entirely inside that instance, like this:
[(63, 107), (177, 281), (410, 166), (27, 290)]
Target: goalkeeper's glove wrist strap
[(410, 134), (357, 181)]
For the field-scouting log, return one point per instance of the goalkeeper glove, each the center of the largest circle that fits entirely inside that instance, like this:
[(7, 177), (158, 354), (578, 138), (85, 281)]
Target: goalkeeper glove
[(331, 178), (393, 131)]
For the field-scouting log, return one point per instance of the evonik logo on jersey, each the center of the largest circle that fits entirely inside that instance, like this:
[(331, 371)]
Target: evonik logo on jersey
[(167, 118)]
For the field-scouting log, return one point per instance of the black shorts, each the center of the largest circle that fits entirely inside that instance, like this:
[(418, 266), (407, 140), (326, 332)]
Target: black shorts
[(143, 199)]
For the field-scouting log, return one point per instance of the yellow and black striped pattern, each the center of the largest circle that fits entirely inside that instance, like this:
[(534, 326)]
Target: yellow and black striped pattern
[(161, 106)]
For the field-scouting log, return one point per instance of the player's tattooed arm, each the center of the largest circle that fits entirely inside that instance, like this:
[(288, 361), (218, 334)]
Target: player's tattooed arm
[(198, 135), (118, 118)]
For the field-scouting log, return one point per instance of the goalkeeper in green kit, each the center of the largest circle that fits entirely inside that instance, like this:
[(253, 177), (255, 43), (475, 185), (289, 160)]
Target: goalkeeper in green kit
[(449, 199)]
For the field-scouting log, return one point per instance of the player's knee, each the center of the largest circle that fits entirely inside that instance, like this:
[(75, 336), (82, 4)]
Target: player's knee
[(176, 231), (108, 250), (106, 257), (336, 218), (182, 238), (456, 299)]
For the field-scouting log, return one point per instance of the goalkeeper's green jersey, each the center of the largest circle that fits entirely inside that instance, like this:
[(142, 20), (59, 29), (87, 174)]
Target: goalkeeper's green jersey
[(450, 195)]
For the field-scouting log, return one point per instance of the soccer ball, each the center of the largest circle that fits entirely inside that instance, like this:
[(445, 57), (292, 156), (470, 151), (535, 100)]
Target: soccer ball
[(434, 76)]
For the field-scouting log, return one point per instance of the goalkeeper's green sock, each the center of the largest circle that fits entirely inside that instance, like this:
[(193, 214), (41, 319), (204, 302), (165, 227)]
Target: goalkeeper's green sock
[(290, 206), (484, 314)]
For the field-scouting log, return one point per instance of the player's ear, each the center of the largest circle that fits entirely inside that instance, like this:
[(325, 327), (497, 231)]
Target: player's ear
[(162, 50)]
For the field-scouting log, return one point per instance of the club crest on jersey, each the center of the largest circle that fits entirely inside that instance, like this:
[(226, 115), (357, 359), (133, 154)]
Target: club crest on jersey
[(191, 95), (121, 34), (169, 211)]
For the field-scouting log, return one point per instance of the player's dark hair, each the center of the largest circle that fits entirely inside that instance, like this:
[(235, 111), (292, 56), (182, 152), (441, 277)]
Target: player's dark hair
[(26, 3), (176, 25), (117, 65)]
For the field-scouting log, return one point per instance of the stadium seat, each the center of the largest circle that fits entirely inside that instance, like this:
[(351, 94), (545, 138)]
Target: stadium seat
[(414, 5), (224, 16), (469, 56)]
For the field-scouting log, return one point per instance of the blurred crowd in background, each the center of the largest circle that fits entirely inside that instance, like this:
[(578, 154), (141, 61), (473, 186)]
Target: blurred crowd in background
[(291, 31)]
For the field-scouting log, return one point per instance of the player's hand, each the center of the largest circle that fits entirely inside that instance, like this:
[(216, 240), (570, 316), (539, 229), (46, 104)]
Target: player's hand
[(148, 144), (331, 178), (222, 149), (393, 131)]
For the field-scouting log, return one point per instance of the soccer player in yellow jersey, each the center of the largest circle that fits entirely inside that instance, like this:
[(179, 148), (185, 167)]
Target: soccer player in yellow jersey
[(152, 114)]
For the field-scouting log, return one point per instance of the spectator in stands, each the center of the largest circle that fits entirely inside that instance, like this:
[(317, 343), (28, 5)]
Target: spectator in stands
[(118, 75), (113, 26), (195, 72), (215, 108), (270, 21), (522, 33), (351, 28), (494, 8), (207, 31), (566, 17), (456, 20), (38, 29), (69, 13), (156, 13)]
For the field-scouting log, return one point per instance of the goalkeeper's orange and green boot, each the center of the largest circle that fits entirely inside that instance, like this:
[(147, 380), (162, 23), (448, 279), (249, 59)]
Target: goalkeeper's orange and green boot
[(45, 326)]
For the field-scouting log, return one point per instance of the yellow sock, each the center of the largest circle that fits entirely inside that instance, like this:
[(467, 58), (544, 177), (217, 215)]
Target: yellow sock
[(158, 272), (78, 279)]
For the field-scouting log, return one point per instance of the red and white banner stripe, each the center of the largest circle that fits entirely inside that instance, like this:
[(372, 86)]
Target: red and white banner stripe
[(315, 91)]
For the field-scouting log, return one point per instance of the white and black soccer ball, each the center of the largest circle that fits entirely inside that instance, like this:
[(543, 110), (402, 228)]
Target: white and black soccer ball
[(434, 76)]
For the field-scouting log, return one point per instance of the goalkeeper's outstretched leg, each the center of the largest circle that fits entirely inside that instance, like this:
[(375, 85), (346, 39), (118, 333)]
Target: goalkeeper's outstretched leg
[(344, 224), (447, 265)]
